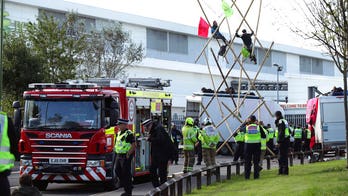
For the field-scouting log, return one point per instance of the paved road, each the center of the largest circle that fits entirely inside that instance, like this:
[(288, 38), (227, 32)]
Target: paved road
[(55, 189)]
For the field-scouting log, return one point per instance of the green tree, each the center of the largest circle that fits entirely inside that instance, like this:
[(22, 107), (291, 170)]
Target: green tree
[(59, 44), (329, 22), (20, 65), (109, 53)]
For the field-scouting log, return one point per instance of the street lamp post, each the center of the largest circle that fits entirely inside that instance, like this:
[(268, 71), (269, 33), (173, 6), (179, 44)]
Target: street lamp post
[(279, 69)]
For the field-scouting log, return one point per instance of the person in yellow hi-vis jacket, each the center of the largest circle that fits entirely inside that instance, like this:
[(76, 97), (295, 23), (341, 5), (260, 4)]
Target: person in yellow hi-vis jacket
[(209, 137), (190, 138), (263, 144), (8, 151)]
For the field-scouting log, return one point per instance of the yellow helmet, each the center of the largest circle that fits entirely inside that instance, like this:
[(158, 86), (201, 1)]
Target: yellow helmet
[(189, 121)]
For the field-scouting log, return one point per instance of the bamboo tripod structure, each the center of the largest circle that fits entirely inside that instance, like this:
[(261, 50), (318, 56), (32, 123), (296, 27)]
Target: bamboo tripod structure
[(233, 113)]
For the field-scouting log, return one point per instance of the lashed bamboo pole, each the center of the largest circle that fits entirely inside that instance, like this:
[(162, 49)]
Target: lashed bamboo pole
[(224, 143), (217, 98), (212, 36), (222, 137), (221, 84)]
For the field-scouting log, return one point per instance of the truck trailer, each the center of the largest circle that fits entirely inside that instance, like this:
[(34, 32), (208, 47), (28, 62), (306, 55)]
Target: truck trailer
[(201, 105)]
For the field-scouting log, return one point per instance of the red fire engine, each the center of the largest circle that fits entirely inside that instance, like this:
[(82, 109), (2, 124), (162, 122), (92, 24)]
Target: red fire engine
[(63, 132)]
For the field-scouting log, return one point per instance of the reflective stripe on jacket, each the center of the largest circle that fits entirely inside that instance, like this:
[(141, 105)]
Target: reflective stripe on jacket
[(189, 134), (252, 134), (6, 157)]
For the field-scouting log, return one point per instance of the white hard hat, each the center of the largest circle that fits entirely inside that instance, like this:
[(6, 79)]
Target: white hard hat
[(207, 121)]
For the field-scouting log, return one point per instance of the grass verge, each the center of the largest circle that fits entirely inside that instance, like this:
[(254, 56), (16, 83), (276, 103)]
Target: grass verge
[(326, 178)]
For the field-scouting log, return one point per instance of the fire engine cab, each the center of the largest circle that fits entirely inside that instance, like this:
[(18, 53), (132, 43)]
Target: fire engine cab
[(63, 136)]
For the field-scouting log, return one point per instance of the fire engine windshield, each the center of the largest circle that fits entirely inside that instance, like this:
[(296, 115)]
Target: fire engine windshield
[(72, 115)]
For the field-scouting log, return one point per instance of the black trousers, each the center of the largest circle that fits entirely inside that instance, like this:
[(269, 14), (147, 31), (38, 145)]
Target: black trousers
[(239, 152), (270, 145), (297, 145), (198, 151), (176, 153), (123, 171), (4, 183), (283, 157), (158, 169), (252, 152)]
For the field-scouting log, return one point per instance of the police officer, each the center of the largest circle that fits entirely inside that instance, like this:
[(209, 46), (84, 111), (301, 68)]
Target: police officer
[(209, 138), (270, 143), (239, 139), (308, 138), (198, 145), (190, 138), (8, 151), (253, 135), (162, 151), (177, 137), (298, 138), (124, 147), (283, 141), (263, 144)]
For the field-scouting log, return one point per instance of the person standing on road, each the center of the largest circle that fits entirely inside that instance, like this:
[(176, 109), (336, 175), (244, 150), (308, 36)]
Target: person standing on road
[(198, 145), (8, 151), (263, 144), (209, 138), (308, 138), (239, 139), (298, 139), (124, 147), (26, 187), (190, 138), (177, 136), (270, 143), (253, 135), (162, 151), (283, 143)]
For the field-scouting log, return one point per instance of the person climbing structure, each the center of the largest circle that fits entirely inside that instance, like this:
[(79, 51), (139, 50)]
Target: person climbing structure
[(218, 36), (246, 37)]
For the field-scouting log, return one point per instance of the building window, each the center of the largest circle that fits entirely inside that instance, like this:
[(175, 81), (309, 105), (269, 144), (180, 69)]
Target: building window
[(157, 40), (89, 23), (178, 43), (166, 41), (311, 65), (261, 53)]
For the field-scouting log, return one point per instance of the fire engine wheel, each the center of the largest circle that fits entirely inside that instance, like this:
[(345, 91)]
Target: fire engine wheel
[(41, 185), (112, 184)]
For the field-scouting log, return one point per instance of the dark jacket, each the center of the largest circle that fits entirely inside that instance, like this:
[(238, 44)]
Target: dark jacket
[(246, 37), (26, 191), (13, 137), (162, 147), (281, 131)]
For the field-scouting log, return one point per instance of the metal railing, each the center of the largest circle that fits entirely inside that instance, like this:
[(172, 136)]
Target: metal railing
[(175, 186)]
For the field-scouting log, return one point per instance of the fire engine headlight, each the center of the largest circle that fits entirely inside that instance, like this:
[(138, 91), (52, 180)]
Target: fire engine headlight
[(26, 162), (93, 163)]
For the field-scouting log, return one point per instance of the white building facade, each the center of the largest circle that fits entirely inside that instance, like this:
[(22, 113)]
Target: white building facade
[(171, 50)]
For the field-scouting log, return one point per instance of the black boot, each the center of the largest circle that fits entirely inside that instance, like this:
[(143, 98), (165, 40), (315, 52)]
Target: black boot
[(280, 171)]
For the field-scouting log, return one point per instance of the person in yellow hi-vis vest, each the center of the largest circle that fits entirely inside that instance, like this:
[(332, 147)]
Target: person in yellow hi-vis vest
[(253, 136), (189, 139), (209, 137), (263, 144), (283, 142), (8, 151), (124, 147)]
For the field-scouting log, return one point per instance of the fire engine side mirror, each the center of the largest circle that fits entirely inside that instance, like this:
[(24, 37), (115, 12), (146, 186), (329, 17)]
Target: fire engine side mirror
[(17, 116)]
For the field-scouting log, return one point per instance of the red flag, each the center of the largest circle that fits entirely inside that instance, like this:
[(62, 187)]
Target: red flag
[(203, 28)]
